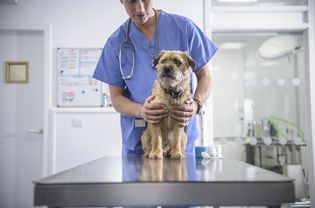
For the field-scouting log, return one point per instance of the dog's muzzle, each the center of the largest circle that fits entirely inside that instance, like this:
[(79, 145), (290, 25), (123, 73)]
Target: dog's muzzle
[(167, 70)]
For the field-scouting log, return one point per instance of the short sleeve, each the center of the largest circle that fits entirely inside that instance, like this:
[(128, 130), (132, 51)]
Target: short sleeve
[(107, 69), (200, 46)]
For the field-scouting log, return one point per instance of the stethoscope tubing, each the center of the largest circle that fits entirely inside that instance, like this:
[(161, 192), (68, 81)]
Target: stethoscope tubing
[(127, 43)]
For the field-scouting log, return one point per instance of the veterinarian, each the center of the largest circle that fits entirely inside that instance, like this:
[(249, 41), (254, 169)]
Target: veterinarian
[(126, 66)]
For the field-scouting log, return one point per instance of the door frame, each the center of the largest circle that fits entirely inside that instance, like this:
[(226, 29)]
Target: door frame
[(311, 96), (47, 32)]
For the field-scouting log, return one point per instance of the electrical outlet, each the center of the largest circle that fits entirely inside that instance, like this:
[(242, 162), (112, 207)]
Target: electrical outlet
[(77, 122)]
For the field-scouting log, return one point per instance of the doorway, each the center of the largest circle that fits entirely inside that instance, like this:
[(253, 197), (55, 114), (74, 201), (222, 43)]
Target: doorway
[(261, 90), (22, 118)]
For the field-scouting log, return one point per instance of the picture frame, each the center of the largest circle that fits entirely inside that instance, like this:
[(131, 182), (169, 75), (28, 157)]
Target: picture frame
[(16, 72)]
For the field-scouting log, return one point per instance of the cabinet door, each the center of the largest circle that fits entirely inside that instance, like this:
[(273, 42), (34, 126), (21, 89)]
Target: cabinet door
[(82, 137)]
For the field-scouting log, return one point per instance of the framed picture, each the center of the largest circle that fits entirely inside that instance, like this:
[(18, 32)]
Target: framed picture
[(16, 72)]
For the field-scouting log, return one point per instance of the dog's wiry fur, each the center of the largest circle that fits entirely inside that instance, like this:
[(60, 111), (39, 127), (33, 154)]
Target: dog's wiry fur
[(172, 86)]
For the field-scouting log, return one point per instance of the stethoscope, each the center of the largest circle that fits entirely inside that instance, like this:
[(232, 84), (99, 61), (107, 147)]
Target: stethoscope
[(128, 44)]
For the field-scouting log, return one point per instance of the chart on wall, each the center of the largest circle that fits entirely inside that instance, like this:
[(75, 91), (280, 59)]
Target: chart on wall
[(76, 86)]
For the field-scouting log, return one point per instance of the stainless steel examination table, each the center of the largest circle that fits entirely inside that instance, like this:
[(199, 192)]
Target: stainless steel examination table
[(137, 181)]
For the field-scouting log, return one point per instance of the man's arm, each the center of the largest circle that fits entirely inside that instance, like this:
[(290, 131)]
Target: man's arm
[(183, 113), (204, 86), (152, 113)]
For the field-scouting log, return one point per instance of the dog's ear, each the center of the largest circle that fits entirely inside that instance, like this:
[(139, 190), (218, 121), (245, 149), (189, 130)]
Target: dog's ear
[(190, 60), (157, 59)]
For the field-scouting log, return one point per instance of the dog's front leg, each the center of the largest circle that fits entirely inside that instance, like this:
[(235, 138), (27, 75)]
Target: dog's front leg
[(156, 143), (177, 150), (146, 142)]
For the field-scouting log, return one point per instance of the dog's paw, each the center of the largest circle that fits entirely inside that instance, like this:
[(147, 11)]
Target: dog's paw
[(146, 154), (156, 155), (177, 155)]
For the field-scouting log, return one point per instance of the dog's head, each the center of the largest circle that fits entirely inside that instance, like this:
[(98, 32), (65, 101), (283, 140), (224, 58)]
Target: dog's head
[(173, 67)]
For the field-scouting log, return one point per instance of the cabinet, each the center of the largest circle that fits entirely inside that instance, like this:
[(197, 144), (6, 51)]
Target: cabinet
[(85, 135)]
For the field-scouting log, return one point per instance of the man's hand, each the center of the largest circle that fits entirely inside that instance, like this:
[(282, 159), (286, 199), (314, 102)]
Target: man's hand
[(183, 113), (153, 112)]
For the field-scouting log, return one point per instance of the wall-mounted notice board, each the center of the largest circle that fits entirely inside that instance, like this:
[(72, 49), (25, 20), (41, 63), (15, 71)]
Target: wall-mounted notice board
[(76, 86)]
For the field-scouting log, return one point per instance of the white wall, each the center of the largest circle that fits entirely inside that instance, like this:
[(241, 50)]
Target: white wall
[(81, 23)]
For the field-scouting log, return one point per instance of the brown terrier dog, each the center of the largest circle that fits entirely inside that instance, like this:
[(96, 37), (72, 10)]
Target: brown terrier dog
[(172, 86)]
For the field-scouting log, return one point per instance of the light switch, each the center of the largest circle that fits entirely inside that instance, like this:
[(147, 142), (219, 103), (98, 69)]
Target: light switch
[(77, 122)]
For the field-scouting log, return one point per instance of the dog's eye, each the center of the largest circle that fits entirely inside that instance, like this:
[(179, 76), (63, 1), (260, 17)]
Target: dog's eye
[(163, 61), (177, 62)]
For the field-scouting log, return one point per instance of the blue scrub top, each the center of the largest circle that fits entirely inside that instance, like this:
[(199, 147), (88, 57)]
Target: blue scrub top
[(174, 33)]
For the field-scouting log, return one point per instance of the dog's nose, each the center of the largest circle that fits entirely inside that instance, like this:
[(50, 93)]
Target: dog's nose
[(167, 70)]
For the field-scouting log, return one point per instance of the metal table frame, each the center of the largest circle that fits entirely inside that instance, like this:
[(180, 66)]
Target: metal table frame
[(225, 187)]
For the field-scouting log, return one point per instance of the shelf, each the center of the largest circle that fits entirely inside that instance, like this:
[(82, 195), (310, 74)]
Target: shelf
[(260, 142)]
